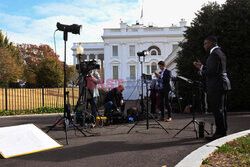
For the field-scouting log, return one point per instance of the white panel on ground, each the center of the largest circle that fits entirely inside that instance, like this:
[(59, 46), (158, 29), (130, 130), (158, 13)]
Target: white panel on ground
[(24, 139)]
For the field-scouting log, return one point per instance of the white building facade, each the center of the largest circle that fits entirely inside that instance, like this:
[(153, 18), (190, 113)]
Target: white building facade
[(117, 54)]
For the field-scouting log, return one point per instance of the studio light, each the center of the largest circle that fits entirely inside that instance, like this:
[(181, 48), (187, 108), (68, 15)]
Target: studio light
[(74, 28), (143, 53)]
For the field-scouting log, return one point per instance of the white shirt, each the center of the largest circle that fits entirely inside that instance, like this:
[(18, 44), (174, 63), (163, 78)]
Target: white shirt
[(162, 73), (213, 49), (210, 53)]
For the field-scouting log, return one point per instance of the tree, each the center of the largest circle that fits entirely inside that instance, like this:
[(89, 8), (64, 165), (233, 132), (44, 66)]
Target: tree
[(49, 73), (230, 23), (72, 75), (10, 62), (33, 55)]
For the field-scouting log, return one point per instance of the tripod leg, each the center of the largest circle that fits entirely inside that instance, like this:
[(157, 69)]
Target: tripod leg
[(54, 125), (65, 129), (183, 128), (78, 128), (157, 122), (195, 129), (132, 127), (204, 128)]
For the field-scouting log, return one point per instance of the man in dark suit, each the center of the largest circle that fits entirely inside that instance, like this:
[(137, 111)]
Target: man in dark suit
[(164, 89), (217, 84)]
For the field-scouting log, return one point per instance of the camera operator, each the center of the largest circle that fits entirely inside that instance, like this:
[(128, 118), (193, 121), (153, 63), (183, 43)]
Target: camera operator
[(164, 90), (113, 100), (92, 91)]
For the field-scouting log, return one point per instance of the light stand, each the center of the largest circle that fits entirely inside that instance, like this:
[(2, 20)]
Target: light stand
[(75, 29), (141, 56), (193, 121)]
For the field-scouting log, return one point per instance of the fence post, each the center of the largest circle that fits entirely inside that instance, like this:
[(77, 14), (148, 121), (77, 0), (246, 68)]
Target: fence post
[(6, 99), (73, 94), (43, 95)]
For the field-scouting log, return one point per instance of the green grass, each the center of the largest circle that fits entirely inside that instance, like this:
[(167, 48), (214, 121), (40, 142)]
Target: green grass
[(41, 110), (237, 150), (240, 145)]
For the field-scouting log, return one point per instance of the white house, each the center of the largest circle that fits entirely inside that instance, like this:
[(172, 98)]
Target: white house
[(117, 54)]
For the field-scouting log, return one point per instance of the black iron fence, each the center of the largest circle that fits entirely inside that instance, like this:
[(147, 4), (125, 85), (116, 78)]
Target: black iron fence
[(17, 99)]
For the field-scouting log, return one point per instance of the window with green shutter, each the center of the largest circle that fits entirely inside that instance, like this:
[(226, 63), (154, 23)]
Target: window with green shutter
[(131, 50), (115, 72), (153, 67), (115, 50), (132, 72)]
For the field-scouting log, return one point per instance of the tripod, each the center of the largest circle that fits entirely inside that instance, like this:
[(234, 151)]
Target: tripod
[(67, 108), (193, 121), (82, 100), (143, 80), (67, 120)]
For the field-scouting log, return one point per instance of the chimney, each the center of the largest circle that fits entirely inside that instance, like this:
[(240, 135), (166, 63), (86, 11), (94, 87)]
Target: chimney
[(183, 23), (123, 25)]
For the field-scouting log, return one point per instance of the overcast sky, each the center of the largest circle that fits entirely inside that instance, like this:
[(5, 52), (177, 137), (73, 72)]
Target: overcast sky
[(34, 21)]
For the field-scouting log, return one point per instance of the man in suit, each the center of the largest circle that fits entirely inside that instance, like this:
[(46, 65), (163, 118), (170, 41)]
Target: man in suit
[(164, 89), (217, 84)]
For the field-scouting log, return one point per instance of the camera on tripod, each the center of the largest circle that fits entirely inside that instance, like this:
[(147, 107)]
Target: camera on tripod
[(146, 77), (86, 66)]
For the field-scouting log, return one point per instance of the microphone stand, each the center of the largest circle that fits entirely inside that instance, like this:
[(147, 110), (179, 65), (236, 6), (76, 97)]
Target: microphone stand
[(194, 85)]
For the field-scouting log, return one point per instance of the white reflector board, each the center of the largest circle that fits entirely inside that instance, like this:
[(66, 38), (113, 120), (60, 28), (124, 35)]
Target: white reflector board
[(24, 139)]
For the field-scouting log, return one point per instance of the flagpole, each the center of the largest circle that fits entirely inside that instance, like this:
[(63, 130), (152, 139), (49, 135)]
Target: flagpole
[(141, 18)]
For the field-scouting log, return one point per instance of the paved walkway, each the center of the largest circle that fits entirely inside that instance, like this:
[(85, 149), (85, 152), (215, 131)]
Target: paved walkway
[(114, 147)]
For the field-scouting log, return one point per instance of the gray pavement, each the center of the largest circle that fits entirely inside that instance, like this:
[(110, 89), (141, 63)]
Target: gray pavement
[(112, 146)]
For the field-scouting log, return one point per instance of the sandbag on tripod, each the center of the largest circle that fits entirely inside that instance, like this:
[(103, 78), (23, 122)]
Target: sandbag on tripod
[(116, 116), (133, 114)]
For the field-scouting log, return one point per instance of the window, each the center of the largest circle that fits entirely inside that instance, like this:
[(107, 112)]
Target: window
[(115, 72), (115, 50), (174, 46), (148, 69), (153, 67), (132, 72), (156, 49), (153, 52), (131, 50)]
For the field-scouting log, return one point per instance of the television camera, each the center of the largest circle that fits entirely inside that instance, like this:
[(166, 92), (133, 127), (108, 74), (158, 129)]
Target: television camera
[(86, 66)]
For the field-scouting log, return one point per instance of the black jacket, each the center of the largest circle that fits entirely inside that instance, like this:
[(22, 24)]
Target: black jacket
[(166, 80), (214, 70), (114, 97)]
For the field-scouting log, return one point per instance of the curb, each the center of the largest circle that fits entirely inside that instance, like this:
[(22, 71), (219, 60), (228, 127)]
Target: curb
[(195, 158)]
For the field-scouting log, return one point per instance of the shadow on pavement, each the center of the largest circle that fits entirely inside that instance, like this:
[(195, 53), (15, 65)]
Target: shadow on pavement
[(101, 148)]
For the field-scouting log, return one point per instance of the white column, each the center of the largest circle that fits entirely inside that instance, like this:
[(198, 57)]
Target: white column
[(96, 57), (87, 57), (123, 57), (107, 57), (102, 69), (75, 59)]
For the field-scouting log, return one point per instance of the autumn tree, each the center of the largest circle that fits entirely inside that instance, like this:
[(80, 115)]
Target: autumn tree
[(10, 62), (72, 75), (33, 55), (49, 73)]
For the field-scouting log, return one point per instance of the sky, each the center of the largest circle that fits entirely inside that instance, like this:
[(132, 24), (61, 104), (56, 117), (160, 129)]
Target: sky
[(34, 21)]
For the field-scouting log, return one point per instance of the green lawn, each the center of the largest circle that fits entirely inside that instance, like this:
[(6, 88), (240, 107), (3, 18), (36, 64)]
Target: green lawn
[(234, 153)]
